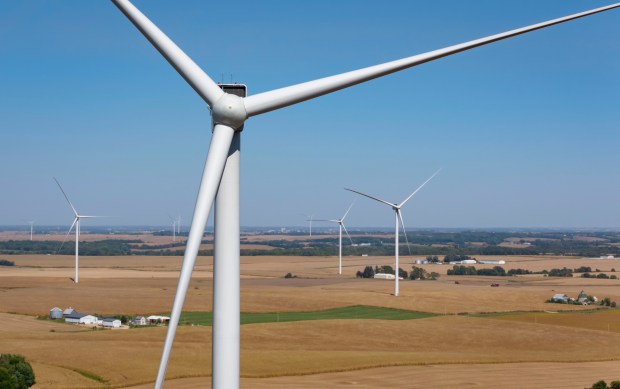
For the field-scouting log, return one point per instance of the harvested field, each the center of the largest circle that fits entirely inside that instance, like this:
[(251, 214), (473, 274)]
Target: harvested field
[(315, 353), (507, 376)]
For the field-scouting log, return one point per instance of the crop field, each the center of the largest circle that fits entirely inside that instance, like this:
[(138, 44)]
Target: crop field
[(317, 330)]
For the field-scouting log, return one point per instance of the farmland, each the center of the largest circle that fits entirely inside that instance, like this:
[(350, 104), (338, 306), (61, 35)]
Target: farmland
[(443, 332)]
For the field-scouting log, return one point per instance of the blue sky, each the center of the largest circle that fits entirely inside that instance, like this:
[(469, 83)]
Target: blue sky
[(526, 130)]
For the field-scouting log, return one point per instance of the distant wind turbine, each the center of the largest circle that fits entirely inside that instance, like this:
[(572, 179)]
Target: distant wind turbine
[(341, 225), (31, 224), (76, 223), (310, 219), (399, 219), (174, 229), (220, 179)]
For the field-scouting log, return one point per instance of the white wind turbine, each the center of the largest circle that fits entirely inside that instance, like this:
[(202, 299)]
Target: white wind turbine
[(174, 229), (310, 220), (220, 180), (341, 226), (76, 223), (399, 219), (31, 224)]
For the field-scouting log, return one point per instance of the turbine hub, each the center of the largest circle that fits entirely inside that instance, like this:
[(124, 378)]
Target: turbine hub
[(229, 110)]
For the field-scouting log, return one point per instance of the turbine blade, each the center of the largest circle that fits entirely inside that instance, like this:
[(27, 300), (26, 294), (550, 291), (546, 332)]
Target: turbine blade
[(345, 230), (66, 236), (420, 187), (326, 220), (278, 98), (67, 198), (370, 197), (214, 167), (182, 63), (346, 213), (402, 223)]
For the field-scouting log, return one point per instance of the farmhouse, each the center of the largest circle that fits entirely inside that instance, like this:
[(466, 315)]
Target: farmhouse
[(80, 318), (559, 297), (55, 313), (139, 321)]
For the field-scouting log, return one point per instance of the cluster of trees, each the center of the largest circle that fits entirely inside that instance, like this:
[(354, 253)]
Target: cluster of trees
[(514, 272), (563, 272), (461, 270), (456, 258), (606, 302), (15, 372), (102, 247), (603, 385), (6, 262), (599, 275), (418, 273)]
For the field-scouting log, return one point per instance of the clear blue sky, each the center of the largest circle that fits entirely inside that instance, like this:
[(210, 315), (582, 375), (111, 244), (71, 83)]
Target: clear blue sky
[(526, 130)]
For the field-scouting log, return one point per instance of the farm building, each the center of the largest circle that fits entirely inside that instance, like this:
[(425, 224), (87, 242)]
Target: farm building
[(80, 318), (384, 276), (492, 262), (55, 313), (154, 319), (110, 322), (139, 321), (67, 312), (559, 297)]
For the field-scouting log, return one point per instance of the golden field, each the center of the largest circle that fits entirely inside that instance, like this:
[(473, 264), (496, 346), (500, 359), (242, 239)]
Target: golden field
[(456, 348)]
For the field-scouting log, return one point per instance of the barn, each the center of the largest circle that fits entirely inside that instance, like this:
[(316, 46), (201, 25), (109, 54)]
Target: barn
[(76, 317), (111, 322), (55, 313)]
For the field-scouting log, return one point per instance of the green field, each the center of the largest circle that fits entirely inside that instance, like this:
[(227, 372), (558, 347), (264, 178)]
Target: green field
[(353, 312)]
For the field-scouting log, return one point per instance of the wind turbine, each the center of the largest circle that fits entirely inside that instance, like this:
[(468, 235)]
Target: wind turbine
[(31, 224), (310, 219), (220, 180), (179, 225), (340, 227), (76, 223), (174, 229), (399, 219)]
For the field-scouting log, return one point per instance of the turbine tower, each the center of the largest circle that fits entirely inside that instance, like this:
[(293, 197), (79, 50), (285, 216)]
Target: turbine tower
[(31, 224), (220, 180), (76, 223), (310, 219), (399, 219), (340, 227), (174, 229)]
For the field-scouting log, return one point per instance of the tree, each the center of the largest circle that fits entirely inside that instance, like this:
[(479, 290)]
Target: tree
[(432, 259), (417, 273), (434, 275), (600, 385), (402, 273), (20, 372), (368, 272), (614, 385)]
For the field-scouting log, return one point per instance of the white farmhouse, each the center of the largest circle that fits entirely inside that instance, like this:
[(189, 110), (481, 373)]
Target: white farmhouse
[(139, 321)]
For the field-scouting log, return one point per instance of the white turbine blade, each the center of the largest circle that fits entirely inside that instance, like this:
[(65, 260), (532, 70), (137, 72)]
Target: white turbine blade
[(402, 223), (327, 220), (67, 198), (214, 167), (347, 212), (278, 98), (195, 77), (420, 187), (66, 236), (345, 230), (370, 197)]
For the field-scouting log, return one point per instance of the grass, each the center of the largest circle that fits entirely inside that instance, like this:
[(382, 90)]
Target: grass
[(90, 375), (352, 312)]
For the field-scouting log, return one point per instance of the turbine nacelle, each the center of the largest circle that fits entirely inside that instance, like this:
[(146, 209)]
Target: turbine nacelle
[(229, 110)]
